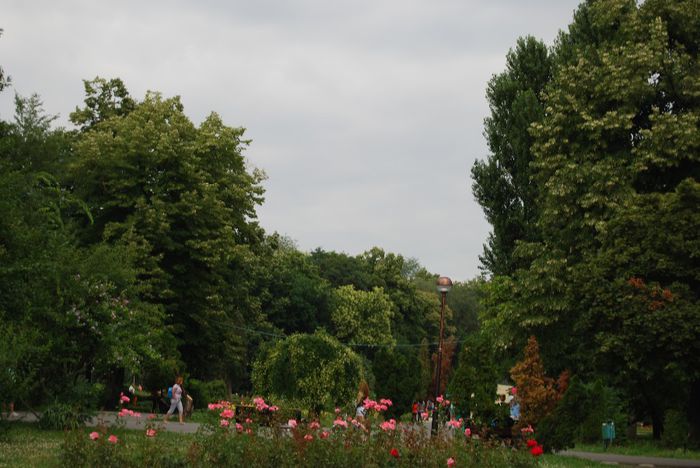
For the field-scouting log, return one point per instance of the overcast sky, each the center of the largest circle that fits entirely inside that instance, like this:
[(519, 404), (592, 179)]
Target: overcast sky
[(366, 115)]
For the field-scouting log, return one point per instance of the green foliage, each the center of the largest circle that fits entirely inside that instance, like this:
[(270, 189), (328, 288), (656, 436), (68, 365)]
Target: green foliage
[(615, 162), (315, 370), (503, 183), (676, 429), (295, 297), (472, 387), (204, 393), (182, 198), (395, 371), (362, 317)]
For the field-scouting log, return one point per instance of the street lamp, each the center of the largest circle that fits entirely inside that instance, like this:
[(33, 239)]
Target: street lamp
[(444, 284)]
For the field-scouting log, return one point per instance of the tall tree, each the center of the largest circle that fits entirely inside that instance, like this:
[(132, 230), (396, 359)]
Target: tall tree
[(617, 159), (184, 197), (503, 184)]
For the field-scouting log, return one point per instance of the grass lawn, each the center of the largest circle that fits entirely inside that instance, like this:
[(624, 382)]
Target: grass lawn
[(24, 444), (640, 447)]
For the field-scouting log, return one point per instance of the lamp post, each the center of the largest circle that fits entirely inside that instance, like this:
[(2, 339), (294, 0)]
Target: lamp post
[(444, 284)]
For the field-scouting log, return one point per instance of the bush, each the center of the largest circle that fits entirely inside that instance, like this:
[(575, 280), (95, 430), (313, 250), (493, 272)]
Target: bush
[(676, 429), (62, 416), (204, 393)]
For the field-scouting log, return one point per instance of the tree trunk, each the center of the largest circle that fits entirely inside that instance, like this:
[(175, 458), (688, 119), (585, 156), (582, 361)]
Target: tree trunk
[(657, 421), (694, 411)]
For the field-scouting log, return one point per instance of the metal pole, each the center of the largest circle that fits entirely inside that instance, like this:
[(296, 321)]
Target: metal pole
[(439, 365)]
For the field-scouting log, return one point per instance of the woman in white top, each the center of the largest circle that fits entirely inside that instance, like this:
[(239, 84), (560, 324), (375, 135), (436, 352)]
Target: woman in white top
[(176, 400)]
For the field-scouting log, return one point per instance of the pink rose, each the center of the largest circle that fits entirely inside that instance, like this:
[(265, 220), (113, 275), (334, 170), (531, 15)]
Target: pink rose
[(248, 420), (94, 435), (451, 461), (468, 432), (340, 423), (150, 432), (224, 423), (113, 439), (314, 425), (308, 437), (239, 427), (337, 411), (324, 434), (439, 400), (227, 413), (292, 423)]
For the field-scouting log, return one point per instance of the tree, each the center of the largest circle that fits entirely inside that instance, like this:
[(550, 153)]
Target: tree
[(537, 392), (503, 183), (183, 197), (104, 99), (362, 317), (293, 295), (70, 313), (314, 370), (616, 162)]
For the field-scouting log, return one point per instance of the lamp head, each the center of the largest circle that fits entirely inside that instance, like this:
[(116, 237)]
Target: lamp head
[(444, 284)]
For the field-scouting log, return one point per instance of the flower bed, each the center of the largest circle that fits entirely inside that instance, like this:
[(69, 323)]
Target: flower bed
[(349, 442)]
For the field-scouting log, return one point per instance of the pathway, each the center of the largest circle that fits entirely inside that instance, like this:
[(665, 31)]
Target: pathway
[(612, 458)]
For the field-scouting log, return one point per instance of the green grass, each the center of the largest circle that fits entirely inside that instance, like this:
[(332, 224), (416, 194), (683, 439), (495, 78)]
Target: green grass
[(560, 461), (24, 444), (640, 447)]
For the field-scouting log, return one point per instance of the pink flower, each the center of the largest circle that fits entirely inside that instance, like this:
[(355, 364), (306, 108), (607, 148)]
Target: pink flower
[(439, 400), (425, 415), (468, 432), (314, 425), (94, 435), (136, 415), (324, 435), (292, 423), (337, 411), (248, 420), (454, 423), (249, 431), (385, 401), (383, 407), (224, 423), (113, 439), (527, 429), (308, 437), (227, 413), (150, 432), (340, 423), (389, 425), (451, 461), (273, 408), (239, 427)]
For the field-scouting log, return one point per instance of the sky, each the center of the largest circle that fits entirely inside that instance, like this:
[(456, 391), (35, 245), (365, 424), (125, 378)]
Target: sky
[(366, 115)]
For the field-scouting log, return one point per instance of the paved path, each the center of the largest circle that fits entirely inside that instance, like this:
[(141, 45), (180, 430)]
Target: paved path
[(613, 458), (109, 418)]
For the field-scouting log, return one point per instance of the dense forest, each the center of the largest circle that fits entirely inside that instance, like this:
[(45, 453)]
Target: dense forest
[(130, 250)]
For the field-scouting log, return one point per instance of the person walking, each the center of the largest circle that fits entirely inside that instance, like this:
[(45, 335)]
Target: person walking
[(176, 400)]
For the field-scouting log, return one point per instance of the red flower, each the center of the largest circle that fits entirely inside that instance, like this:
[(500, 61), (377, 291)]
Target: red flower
[(531, 443), (536, 451), (394, 453)]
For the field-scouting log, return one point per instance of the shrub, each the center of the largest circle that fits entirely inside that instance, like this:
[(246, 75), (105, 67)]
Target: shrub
[(316, 370), (61, 416), (676, 429), (203, 393)]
